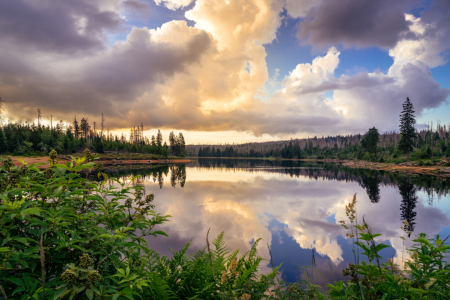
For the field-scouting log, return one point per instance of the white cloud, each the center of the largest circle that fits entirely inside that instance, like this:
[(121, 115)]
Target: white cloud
[(299, 8), (424, 48), (173, 4), (210, 77)]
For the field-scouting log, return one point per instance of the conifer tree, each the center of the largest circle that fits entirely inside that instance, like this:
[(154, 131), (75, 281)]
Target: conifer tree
[(84, 127), (3, 146), (76, 128), (181, 145), (172, 142), (159, 139), (407, 121)]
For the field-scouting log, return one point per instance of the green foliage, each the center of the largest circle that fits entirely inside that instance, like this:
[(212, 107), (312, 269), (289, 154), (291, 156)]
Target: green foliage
[(425, 276), (98, 145), (62, 235), (371, 141), (407, 121), (65, 237), (366, 157)]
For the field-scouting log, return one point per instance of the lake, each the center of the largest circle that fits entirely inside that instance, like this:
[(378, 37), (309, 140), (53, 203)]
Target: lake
[(294, 207)]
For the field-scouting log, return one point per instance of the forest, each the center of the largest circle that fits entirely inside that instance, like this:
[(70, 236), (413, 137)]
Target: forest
[(428, 144), (26, 139)]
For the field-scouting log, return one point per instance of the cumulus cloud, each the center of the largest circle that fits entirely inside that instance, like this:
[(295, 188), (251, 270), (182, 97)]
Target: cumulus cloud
[(110, 80), (58, 26), (137, 9), (210, 76)]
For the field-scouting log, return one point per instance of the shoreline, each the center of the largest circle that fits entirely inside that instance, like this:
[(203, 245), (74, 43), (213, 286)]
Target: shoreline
[(106, 163), (406, 168)]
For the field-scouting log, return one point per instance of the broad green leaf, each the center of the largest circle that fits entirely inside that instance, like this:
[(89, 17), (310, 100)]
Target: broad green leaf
[(90, 294)]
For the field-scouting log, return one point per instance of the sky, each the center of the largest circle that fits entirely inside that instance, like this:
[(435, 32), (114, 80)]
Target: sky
[(227, 71)]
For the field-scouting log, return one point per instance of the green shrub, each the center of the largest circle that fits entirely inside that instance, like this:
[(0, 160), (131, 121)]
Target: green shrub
[(366, 156), (65, 237), (52, 220)]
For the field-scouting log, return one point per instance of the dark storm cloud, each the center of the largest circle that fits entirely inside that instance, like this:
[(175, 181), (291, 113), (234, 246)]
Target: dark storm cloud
[(106, 83), (63, 26), (439, 16), (137, 9), (361, 23)]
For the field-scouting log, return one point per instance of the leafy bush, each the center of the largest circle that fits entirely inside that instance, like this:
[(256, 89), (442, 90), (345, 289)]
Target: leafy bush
[(366, 156), (65, 237), (62, 235), (425, 276)]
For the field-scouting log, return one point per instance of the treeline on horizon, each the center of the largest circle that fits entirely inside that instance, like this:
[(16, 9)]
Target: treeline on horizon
[(32, 139), (433, 142), (430, 143)]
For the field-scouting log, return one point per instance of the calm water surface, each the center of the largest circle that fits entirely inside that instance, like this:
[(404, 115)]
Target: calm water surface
[(295, 207)]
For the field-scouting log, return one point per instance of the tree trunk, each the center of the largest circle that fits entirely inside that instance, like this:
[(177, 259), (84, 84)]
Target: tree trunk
[(407, 156)]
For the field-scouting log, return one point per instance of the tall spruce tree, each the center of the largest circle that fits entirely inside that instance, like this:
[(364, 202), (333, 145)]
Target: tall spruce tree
[(3, 146), (407, 121), (76, 128), (172, 143), (159, 139), (182, 145)]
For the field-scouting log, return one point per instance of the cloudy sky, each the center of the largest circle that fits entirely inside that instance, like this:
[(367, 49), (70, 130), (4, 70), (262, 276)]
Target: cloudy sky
[(227, 70)]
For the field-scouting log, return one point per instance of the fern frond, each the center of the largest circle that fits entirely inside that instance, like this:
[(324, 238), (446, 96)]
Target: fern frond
[(159, 288)]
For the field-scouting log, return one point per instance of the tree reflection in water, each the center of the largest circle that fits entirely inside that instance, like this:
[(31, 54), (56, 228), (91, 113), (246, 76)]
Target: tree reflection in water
[(156, 174), (370, 181), (303, 201), (409, 200)]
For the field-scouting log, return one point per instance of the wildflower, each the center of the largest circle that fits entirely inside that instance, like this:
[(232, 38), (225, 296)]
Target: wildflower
[(350, 210), (69, 276), (233, 264), (234, 274), (245, 296), (391, 263), (86, 260), (53, 154), (94, 276), (224, 277), (430, 283), (87, 154)]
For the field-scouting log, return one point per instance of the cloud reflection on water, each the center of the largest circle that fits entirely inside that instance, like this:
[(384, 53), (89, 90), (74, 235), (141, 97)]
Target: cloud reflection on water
[(290, 213)]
